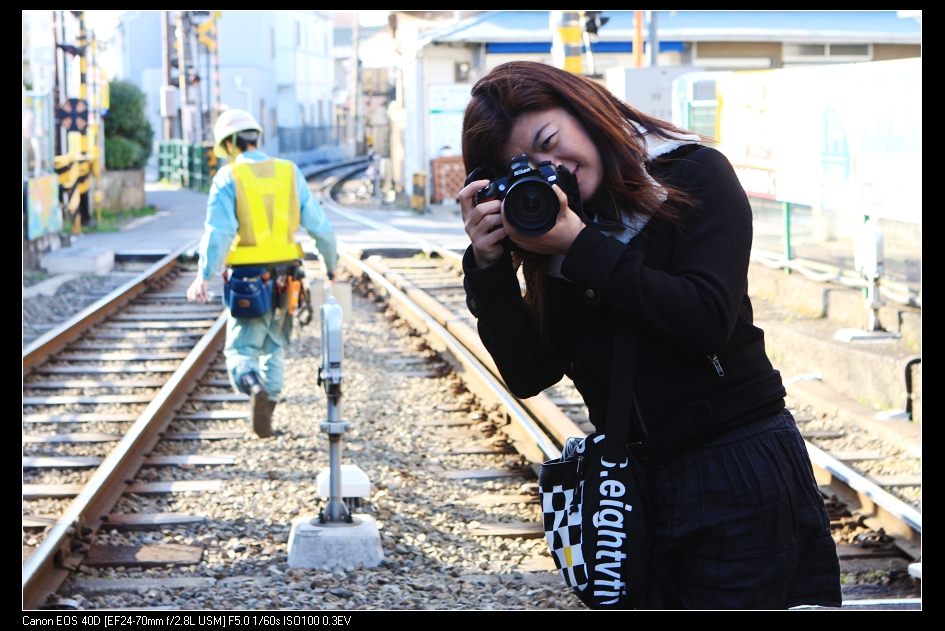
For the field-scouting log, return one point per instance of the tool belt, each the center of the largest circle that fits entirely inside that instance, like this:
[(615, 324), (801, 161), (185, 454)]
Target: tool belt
[(251, 291)]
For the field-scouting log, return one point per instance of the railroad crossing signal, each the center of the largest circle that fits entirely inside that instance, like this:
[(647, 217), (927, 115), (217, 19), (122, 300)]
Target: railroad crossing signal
[(207, 34), (593, 21), (73, 115), (211, 161)]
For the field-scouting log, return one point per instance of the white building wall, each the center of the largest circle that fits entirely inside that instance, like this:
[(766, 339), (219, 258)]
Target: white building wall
[(271, 62), (435, 65), (248, 67), (304, 67)]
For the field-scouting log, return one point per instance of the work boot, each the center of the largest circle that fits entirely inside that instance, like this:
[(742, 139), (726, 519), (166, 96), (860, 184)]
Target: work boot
[(260, 408)]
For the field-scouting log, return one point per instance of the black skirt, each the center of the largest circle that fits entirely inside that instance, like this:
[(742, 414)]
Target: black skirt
[(739, 523)]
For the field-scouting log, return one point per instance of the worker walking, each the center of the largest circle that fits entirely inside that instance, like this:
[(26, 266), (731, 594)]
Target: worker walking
[(256, 204)]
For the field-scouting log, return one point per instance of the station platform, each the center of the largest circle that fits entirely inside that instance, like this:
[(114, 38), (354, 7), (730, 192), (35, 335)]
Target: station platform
[(865, 382)]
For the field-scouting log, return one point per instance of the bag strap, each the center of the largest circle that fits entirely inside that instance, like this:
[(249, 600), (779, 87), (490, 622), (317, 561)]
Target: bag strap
[(619, 408)]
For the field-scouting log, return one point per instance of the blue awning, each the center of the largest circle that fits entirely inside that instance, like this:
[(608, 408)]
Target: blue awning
[(509, 48), (517, 27)]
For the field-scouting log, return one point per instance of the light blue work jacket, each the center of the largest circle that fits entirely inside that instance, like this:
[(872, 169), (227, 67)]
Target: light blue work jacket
[(222, 226)]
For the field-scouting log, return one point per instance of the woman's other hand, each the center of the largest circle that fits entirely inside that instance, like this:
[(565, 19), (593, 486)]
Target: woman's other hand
[(558, 240), (483, 224)]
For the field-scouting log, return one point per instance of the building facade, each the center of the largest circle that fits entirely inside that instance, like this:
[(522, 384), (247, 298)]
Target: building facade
[(278, 65), (444, 53)]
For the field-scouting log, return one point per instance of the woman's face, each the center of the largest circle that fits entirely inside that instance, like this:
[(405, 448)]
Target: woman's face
[(557, 136)]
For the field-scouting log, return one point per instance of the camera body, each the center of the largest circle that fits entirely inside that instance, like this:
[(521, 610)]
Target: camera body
[(531, 204)]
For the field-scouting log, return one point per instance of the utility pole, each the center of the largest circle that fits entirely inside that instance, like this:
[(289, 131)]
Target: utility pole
[(95, 130), (358, 107), (182, 47), (83, 45), (58, 83), (166, 45), (638, 39), (654, 40), (216, 66), (197, 119)]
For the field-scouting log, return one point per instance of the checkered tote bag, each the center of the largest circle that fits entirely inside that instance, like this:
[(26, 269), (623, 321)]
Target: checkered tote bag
[(594, 522), (593, 500)]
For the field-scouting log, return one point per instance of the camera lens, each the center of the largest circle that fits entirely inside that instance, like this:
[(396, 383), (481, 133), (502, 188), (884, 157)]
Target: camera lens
[(532, 206), (531, 202)]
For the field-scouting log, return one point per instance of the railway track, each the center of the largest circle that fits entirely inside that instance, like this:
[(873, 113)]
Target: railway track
[(438, 412), (100, 391)]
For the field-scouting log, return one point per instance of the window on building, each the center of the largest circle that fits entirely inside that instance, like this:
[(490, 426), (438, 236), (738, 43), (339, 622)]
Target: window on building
[(825, 53), (702, 109), (262, 113)]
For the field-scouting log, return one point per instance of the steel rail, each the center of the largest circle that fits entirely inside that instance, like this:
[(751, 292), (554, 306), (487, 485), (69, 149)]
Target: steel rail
[(311, 170), (62, 548), (426, 246), (548, 415), (57, 338), (60, 551), (880, 508), (824, 273), (531, 441)]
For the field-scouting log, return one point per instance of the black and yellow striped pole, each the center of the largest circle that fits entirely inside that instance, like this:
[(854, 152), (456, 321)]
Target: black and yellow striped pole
[(567, 39), (82, 185)]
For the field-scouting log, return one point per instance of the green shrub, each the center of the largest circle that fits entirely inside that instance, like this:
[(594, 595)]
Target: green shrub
[(121, 153), (126, 121)]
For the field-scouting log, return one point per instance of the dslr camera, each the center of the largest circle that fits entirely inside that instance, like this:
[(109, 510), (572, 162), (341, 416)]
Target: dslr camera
[(531, 205)]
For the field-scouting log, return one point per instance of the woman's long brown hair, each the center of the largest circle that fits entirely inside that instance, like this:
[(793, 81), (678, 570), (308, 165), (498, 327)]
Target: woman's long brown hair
[(520, 87)]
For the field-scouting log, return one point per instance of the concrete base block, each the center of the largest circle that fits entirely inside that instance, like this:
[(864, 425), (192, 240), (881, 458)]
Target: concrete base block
[(48, 287), (325, 547), (849, 335), (77, 260)]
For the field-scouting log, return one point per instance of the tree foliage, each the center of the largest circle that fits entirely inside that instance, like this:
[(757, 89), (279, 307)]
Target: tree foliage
[(128, 134)]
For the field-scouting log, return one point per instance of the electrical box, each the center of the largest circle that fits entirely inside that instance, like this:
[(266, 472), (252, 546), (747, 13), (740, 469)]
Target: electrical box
[(354, 482), (169, 105), (868, 256), (648, 89)]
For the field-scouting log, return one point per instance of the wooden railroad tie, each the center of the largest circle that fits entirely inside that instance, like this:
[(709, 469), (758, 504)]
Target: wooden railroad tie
[(143, 556), (40, 491), (526, 530)]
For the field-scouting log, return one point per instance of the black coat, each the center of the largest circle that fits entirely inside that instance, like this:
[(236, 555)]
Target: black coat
[(683, 287)]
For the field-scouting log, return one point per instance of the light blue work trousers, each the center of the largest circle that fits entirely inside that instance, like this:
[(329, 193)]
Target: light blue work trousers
[(258, 345)]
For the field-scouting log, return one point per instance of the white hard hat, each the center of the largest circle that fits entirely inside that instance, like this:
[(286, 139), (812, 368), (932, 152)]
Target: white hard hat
[(229, 123)]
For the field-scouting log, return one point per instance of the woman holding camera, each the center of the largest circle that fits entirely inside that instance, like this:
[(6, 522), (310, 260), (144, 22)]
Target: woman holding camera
[(662, 241)]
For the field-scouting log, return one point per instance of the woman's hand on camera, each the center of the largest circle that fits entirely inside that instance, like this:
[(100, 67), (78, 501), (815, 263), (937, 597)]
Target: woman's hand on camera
[(558, 240), (483, 224)]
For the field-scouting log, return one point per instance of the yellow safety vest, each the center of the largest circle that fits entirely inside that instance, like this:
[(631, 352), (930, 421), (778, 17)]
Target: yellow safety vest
[(267, 208)]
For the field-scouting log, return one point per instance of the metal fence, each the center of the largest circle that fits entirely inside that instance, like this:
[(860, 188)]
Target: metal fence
[(822, 236), (186, 165), (296, 139)]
